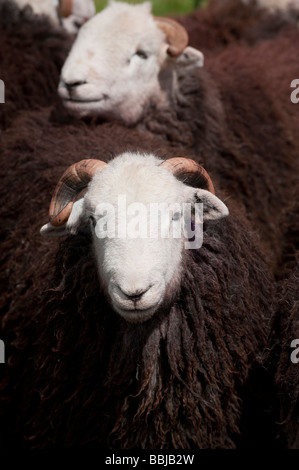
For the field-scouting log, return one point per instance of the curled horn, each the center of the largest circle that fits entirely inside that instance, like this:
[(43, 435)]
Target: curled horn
[(65, 8), (176, 35), (72, 182), (183, 168)]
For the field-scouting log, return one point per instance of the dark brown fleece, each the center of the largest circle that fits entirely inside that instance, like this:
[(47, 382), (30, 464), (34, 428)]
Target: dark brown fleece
[(226, 22), (32, 53), (77, 373), (80, 375), (284, 330)]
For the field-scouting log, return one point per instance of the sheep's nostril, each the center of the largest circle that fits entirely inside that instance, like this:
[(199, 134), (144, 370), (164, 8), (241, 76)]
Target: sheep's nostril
[(71, 85), (136, 295)]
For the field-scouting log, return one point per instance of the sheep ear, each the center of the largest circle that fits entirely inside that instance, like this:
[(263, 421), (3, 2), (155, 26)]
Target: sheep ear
[(72, 225), (213, 208), (190, 57)]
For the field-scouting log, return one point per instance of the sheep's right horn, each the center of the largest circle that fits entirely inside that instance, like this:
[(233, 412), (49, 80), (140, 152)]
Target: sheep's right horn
[(176, 35), (65, 8), (72, 182)]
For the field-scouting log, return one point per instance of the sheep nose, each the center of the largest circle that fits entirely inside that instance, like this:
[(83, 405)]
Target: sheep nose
[(135, 295), (71, 85)]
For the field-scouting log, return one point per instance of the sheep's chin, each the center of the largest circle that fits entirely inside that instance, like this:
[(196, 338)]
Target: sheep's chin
[(137, 315), (84, 108)]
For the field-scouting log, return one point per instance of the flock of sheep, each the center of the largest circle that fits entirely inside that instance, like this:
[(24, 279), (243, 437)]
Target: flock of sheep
[(120, 342)]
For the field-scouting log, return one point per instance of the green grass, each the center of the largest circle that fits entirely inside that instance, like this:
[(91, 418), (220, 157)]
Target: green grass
[(162, 7)]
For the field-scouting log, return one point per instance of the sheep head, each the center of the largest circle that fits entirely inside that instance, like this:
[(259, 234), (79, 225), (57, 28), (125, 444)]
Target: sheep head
[(74, 13), (142, 212), (123, 61), (71, 13)]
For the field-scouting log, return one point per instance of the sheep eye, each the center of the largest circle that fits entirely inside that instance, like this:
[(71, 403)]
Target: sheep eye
[(77, 24), (142, 54)]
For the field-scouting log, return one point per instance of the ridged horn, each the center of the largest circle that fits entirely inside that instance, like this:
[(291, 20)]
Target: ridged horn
[(73, 181), (176, 35), (65, 8), (184, 168)]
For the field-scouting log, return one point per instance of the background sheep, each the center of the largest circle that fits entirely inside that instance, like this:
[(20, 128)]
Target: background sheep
[(70, 13), (48, 8), (187, 400), (32, 54), (271, 5), (222, 23), (277, 4)]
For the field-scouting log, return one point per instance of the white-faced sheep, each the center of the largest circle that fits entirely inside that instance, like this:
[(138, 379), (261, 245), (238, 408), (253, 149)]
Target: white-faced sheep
[(70, 13), (32, 54), (76, 14), (267, 4), (276, 4), (236, 117), (136, 343), (222, 23)]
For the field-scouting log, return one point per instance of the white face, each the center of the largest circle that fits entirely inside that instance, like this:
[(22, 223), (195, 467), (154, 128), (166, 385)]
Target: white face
[(113, 66), (42, 7), (82, 10), (134, 271), (139, 267)]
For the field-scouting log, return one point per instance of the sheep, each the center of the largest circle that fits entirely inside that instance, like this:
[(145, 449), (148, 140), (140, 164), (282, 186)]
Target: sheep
[(267, 4), (168, 92), (81, 12), (38, 50), (277, 4), (170, 375), (70, 13), (222, 23), (147, 56), (42, 7)]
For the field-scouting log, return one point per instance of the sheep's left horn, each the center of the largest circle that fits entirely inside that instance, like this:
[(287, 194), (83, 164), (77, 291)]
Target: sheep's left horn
[(176, 35), (65, 8), (183, 168), (72, 182)]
